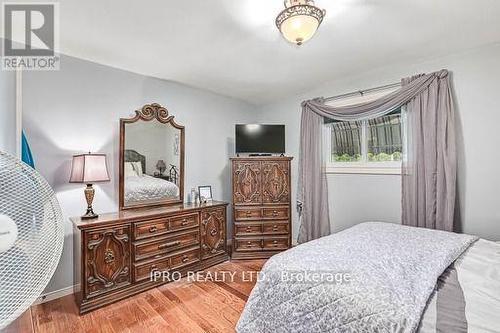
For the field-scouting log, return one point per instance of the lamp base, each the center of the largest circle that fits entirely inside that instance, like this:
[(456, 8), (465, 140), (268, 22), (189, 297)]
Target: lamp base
[(89, 196), (89, 216)]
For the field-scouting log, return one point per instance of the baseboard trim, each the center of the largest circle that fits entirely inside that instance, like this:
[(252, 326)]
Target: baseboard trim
[(50, 296)]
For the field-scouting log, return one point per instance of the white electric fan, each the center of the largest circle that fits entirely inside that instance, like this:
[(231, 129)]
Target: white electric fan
[(31, 236)]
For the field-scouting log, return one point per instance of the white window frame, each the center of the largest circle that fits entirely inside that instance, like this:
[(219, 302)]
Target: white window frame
[(361, 167), (364, 166)]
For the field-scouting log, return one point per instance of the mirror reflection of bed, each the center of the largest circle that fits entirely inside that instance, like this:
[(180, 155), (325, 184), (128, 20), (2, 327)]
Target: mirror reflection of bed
[(151, 159), (144, 186)]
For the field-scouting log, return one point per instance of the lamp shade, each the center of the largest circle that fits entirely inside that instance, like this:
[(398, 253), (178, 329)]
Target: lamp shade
[(299, 29), (161, 165), (89, 168)]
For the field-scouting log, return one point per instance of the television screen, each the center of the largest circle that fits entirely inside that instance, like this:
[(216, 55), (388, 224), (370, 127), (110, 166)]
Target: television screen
[(260, 139)]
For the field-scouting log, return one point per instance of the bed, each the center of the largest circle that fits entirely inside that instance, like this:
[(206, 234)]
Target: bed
[(140, 187), (401, 279)]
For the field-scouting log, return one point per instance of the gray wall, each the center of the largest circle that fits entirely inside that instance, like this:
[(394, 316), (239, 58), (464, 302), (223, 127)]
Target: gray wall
[(359, 198), (7, 111), (77, 109)]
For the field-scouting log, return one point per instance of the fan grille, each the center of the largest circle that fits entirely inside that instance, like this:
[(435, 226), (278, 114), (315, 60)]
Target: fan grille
[(26, 268)]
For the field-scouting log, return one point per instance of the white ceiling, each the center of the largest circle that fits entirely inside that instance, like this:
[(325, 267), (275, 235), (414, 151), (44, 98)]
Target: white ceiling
[(233, 48)]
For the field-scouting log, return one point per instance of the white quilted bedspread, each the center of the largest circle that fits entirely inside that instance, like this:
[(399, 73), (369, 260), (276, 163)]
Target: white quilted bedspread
[(146, 188)]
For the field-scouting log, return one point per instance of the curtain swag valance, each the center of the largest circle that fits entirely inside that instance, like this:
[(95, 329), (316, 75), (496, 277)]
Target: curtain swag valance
[(429, 166), (378, 107)]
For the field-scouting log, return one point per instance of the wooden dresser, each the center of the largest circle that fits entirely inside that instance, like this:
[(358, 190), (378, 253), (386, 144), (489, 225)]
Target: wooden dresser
[(261, 206), (115, 254)]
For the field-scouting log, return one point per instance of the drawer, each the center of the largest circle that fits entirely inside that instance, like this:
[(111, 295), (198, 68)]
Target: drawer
[(275, 227), (150, 228), (143, 271), (246, 244), (276, 243), (150, 248), (275, 212), (247, 229), (185, 258), (184, 222), (247, 213)]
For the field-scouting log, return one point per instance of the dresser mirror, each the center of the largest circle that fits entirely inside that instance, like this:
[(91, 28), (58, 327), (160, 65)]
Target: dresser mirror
[(151, 159)]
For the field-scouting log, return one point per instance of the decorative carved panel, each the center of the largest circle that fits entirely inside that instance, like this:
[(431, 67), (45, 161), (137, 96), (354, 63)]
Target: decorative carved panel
[(275, 182), (212, 232), (247, 182), (107, 259)]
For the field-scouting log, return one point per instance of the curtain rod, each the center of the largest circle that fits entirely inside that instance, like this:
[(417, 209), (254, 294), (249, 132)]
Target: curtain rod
[(362, 92)]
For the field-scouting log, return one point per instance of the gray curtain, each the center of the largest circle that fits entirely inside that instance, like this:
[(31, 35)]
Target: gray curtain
[(429, 169), (429, 173)]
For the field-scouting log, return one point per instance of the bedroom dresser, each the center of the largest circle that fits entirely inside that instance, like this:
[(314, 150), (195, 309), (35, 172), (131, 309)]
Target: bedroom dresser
[(261, 206), (115, 254)]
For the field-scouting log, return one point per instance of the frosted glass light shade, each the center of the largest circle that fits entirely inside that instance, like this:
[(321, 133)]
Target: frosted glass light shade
[(299, 29), (89, 169)]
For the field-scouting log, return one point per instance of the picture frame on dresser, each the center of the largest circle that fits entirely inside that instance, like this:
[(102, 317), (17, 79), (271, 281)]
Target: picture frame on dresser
[(205, 193)]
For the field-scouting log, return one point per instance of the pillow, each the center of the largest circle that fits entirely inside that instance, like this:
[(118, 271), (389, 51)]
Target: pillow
[(138, 168), (129, 170)]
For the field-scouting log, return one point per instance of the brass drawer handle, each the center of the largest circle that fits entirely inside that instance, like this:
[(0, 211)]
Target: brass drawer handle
[(249, 213), (153, 229), (275, 213), (185, 259), (185, 222), (275, 227), (170, 244), (249, 229)]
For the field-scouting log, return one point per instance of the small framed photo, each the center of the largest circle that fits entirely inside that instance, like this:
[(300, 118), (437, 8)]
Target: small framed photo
[(205, 193)]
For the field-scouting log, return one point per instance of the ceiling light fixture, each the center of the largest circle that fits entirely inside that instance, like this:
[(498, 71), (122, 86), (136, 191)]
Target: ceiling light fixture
[(299, 21)]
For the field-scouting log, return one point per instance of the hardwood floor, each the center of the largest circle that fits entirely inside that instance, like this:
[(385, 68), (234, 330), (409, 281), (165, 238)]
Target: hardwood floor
[(182, 306)]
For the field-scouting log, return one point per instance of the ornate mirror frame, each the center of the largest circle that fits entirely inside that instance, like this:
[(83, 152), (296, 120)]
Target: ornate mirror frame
[(150, 112)]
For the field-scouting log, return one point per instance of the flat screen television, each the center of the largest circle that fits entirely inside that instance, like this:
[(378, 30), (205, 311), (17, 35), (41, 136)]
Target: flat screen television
[(260, 139)]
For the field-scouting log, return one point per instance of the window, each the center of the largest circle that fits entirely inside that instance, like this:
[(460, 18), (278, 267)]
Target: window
[(371, 146)]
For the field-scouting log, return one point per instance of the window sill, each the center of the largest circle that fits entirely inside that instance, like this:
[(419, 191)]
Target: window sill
[(363, 170)]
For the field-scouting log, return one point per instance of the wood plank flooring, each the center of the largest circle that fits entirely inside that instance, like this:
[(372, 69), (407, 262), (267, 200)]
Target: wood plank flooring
[(185, 307)]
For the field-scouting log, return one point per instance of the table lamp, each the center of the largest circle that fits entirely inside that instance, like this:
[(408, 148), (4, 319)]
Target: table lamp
[(161, 166), (89, 169)]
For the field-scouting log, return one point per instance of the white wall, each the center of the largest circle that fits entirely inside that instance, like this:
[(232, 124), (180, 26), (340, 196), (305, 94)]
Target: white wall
[(8, 111), (77, 109), (358, 198)]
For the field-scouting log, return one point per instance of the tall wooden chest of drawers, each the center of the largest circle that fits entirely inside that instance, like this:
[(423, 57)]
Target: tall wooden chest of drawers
[(116, 254), (261, 206)]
